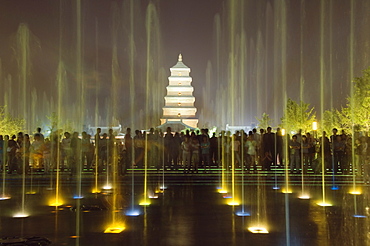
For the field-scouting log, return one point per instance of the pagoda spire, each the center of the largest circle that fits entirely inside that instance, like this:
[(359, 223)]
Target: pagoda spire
[(180, 57)]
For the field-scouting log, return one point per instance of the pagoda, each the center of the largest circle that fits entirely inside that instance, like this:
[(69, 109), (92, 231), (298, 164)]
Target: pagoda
[(179, 111)]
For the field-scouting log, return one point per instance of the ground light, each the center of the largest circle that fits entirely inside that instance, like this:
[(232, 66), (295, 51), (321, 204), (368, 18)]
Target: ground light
[(4, 198), (56, 202), (30, 192), (359, 216), (276, 188), (115, 229), (133, 212), (21, 215), (304, 196), (144, 203), (335, 187), (242, 213), (260, 230), (355, 192), (233, 203), (287, 191), (78, 197), (324, 204)]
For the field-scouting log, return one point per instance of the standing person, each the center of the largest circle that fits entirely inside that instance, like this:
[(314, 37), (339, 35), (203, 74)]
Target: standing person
[(213, 150), (2, 166), (38, 131), (76, 153), (176, 150), (279, 147), (269, 156), (86, 150), (66, 151), (236, 148), (186, 154), (37, 152), (251, 146), (46, 154), (305, 145), (129, 154), (12, 151), (139, 149), (168, 147), (205, 149), (97, 139), (195, 146), (338, 147), (294, 147)]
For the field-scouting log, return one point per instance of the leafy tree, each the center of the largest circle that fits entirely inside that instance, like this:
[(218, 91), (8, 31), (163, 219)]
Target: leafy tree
[(10, 125), (298, 116), (358, 106), (334, 119), (264, 122)]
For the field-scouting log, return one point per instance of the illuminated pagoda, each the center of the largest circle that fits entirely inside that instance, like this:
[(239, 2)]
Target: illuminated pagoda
[(179, 111)]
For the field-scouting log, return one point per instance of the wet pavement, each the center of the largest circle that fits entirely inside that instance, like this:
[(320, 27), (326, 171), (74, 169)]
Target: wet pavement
[(189, 212)]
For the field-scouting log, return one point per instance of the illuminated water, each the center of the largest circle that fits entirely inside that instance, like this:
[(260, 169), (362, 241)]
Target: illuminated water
[(190, 213)]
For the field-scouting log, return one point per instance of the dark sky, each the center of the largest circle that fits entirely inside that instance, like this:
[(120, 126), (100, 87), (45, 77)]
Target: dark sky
[(242, 78)]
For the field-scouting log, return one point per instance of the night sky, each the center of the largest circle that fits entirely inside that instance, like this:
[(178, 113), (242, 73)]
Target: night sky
[(258, 55)]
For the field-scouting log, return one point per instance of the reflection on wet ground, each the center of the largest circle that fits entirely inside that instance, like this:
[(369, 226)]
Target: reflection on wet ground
[(189, 212)]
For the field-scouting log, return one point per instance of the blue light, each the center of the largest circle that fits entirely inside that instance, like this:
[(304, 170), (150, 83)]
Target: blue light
[(241, 213), (78, 197), (335, 187), (276, 188), (132, 213), (359, 216)]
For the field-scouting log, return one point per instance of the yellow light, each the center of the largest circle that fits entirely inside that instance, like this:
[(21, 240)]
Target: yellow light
[(286, 191), (222, 191), (355, 192), (95, 191), (55, 203), (159, 191), (115, 229), (258, 230), (178, 115), (233, 203), (283, 132), (144, 203), (324, 204), (304, 196), (31, 192), (314, 126), (153, 196)]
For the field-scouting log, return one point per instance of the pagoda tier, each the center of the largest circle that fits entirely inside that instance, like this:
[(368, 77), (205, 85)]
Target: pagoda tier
[(179, 101)]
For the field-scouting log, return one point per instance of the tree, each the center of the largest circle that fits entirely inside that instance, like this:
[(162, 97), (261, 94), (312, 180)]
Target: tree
[(10, 125), (298, 116), (334, 119), (358, 106), (264, 122)]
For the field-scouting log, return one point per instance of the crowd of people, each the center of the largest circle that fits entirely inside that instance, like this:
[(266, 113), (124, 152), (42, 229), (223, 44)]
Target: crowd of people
[(188, 151)]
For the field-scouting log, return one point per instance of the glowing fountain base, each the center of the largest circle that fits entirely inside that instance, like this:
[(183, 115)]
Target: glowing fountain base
[(304, 197), (242, 213), (286, 191), (115, 229), (335, 187), (132, 213), (355, 192), (260, 230), (276, 188), (233, 203), (359, 216), (21, 215), (324, 204), (30, 192), (144, 203), (222, 191), (4, 198)]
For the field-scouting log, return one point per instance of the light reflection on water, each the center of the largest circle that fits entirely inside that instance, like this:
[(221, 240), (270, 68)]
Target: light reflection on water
[(190, 214)]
